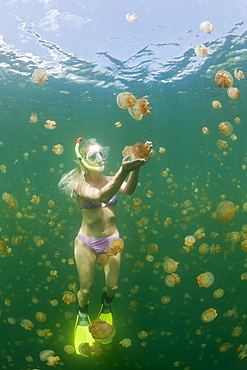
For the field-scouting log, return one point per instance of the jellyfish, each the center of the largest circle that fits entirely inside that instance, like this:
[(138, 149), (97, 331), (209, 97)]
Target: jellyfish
[(137, 151), (205, 280), (237, 331), (101, 331), (68, 297), (224, 79), (189, 240), (40, 316), (216, 104), (234, 236), (238, 74), (233, 93), (86, 350), (69, 349), (170, 265), (48, 356), (27, 324), (116, 246), (224, 347), (140, 109), (206, 27), (201, 50), (126, 100), (218, 293), (126, 342), (225, 211), (222, 144), (142, 334), (103, 259), (58, 149), (171, 280), (165, 299), (244, 245), (153, 248), (199, 234), (39, 76), (3, 248), (137, 202), (50, 125), (33, 118), (205, 130), (209, 315), (204, 249), (131, 17)]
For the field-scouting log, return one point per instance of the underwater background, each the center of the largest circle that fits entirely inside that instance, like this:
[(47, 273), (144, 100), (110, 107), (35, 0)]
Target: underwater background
[(91, 54)]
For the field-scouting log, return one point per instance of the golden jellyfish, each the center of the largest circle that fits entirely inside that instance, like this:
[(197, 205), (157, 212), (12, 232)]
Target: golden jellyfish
[(140, 109), (216, 104), (199, 233), (27, 324), (238, 74), (218, 293), (204, 249), (11, 320), (103, 259), (171, 280), (54, 302), (224, 347), (224, 79), (237, 331), (69, 349), (205, 130), (86, 350), (170, 265), (126, 342), (149, 258), (48, 356), (222, 144), (137, 202), (138, 150), (234, 236), (126, 100), (201, 50), (40, 316), (225, 211), (102, 331), (33, 118), (68, 297), (209, 315), (237, 120), (153, 248), (205, 280), (233, 93), (162, 150), (165, 299), (116, 246), (244, 245), (226, 128), (58, 149), (35, 199), (3, 168), (131, 17), (142, 334), (206, 27), (50, 125), (39, 76), (3, 248), (189, 240)]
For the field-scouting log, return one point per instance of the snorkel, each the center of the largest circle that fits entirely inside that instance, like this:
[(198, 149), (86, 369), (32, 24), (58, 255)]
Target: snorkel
[(83, 160)]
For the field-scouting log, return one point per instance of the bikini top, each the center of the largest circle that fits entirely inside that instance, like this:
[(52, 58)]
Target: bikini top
[(90, 205)]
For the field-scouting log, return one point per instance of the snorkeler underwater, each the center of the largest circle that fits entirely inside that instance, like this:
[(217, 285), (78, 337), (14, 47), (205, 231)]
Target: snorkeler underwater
[(123, 228)]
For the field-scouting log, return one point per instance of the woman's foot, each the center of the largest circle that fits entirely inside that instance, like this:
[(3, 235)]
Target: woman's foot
[(83, 316), (106, 302)]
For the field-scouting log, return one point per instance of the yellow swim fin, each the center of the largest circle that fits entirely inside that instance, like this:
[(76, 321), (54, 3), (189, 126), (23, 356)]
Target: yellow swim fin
[(82, 336), (108, 318)]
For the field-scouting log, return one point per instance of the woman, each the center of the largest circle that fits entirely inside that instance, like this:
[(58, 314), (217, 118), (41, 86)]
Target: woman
[(96, 197)]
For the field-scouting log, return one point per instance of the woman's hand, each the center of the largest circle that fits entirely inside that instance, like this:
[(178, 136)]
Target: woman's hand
[(131, 165)]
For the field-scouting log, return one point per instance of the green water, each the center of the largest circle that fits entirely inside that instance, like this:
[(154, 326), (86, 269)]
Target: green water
[(198, 171)]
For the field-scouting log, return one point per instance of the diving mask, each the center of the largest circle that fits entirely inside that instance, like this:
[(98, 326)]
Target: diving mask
[(93, 156)]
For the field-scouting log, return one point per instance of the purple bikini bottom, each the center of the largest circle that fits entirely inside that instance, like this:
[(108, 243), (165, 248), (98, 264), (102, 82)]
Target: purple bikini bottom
[(98, 245)]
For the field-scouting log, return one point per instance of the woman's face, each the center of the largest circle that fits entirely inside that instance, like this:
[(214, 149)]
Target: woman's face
[(96, 155)]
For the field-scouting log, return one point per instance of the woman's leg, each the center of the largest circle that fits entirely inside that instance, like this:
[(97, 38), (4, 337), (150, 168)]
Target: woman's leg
[(85, 261), (112, 273)]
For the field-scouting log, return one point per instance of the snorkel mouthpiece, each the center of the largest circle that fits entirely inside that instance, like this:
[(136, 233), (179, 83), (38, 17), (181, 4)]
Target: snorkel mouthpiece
[(83, 161)]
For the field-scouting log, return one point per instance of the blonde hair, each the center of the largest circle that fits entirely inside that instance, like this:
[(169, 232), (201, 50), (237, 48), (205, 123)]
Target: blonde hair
[(71, 181)]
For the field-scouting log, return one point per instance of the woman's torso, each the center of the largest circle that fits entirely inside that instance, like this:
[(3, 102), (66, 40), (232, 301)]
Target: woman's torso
[(98, 219)]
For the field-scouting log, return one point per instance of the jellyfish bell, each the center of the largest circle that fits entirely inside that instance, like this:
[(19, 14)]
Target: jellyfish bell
[(39, 76), (205, 280), (189, 240), (126, 100), (206, 27), (126, 342), (102, 331), (216, 104), (170, 265), (48, 356), (209, 315), (224, 79), (140, 109), (3, 248), (233, 93), (131, 17), (201, 50), (225, 211), (238, 74)]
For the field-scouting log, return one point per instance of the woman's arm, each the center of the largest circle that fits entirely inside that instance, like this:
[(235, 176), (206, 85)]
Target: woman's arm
[(129, 186)]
